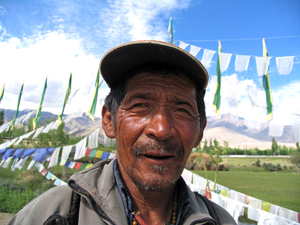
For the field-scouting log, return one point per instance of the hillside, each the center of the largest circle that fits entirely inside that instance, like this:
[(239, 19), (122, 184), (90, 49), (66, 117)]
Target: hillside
[(222, 129)]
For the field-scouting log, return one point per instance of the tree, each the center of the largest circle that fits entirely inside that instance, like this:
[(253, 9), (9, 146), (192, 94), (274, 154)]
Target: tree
[(1, 117), (205, 147), (295, 158), (274, 146)]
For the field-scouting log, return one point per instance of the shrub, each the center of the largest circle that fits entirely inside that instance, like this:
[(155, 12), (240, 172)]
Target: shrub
[(14, 199)]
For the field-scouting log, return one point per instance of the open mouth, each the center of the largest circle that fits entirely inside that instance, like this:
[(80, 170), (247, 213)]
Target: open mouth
[(157, 158)]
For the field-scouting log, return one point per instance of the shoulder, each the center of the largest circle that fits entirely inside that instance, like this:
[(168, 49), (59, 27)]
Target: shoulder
[(222, 215), (55, 200)]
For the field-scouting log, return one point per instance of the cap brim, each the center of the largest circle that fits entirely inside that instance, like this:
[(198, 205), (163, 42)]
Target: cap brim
[(123, 58)]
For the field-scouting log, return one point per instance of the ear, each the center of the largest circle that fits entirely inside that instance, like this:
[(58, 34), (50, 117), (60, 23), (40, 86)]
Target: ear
[(201, 132), (107, 123)]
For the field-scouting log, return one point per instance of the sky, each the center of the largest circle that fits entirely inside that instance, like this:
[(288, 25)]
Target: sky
[(53, 38)]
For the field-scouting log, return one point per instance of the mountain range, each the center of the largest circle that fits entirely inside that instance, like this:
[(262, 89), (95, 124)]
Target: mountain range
[(236, 133)]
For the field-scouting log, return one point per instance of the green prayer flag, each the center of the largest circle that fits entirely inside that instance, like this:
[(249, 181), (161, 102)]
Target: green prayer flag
[(19, 99), (170, 30), (2, 93), (267, 87), (66, 99), (217, 99), (38, 113), (92, 110)]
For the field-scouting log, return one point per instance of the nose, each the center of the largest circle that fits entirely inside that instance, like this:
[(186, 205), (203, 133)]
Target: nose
[(160, 125)]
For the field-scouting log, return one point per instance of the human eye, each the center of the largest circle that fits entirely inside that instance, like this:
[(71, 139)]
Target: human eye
[(138, 105), (183, 110)]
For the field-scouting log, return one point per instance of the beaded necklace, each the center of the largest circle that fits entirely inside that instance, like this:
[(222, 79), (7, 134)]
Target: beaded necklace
[(137, 219)]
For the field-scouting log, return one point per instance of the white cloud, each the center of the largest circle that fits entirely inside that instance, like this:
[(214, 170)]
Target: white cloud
[(29, 61), (136, 20), (66, 42)]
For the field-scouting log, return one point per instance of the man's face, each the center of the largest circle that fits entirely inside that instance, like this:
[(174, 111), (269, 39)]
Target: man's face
[(157, 125)]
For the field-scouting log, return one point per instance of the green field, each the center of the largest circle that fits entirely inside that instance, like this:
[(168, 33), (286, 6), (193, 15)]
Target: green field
[(281, 189), (238, 162)]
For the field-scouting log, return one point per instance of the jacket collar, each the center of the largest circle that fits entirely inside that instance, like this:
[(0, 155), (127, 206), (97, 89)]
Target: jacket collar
[(107, 197)]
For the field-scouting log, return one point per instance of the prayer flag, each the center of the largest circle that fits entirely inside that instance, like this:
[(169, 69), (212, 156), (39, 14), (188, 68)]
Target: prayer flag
[(77, 165), (66, 99), (98, 154), (2, 93), (217, 99), (19, 99), (93, 153), (104, 155), (170, 30), (38, 113), (267, 87), (183, 45), (83, 165), (88, 151), (92, 110), (89, 165), (49, 175)]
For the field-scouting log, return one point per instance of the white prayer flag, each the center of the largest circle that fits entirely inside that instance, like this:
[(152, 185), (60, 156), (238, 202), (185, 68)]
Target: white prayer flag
[(251, 124), (194, 50), (284, 64), (5, 126), (296, 127), (275, 130), (224, 61), (28, 115), (206, 57), (11, 142), (256, 96), (80, 149), (187, 175), (241, 62), (14, 164), (7, 162), (183, 45), (54, 158), (30, 164), (93, 139), (21, 163), (72, 164), (48, 127), (19, 120), (65, 154), (55, 125), (38, 132), (111, 156), (262, 65), (25, 136)]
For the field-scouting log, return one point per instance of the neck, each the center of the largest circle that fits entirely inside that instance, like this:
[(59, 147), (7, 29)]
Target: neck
[(154, 207)]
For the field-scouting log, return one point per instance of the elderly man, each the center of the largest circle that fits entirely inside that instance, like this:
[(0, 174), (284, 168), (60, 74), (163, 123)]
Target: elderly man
[(156, 112)]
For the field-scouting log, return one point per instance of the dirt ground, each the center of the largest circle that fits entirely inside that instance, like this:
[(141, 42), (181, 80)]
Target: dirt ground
[(5, 218)]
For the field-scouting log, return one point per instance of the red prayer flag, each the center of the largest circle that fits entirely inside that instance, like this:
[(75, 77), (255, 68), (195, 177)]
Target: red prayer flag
[(88, 151), (77, 165)]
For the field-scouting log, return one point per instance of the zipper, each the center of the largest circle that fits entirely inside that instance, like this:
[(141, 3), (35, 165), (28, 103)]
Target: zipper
[(95, 206)]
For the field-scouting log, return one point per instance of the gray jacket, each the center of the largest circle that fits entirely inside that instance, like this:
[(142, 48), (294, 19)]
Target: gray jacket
[(101, 202)]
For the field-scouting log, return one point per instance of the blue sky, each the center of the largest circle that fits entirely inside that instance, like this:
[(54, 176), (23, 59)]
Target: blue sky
[(39, 38)]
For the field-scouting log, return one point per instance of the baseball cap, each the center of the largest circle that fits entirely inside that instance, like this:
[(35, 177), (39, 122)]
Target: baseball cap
[(123, 58)]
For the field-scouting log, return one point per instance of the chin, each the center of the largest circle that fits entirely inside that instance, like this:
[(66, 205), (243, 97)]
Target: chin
[(159, 180)]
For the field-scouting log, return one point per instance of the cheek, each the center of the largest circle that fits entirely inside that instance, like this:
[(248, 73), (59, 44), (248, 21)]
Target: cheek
[(189, 134), (129, 130)]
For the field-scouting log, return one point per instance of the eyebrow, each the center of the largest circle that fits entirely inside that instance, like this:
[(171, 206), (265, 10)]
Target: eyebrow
[(183, 102), (140, 95)]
